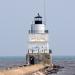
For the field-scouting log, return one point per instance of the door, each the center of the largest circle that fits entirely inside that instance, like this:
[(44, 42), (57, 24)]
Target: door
[(31, 60)]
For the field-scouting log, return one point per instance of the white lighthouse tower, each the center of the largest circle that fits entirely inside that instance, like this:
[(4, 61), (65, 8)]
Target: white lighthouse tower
[(38, 46)]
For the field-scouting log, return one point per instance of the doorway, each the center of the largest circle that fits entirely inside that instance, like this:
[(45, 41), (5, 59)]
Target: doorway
[(31, 59)]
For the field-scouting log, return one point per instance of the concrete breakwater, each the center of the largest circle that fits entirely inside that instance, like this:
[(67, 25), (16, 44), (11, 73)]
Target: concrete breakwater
[(22, 70), (47, 70), (38, 69)]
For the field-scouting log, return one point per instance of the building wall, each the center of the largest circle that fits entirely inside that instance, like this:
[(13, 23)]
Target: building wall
[(38, 28), (43, 58), (38, 42)]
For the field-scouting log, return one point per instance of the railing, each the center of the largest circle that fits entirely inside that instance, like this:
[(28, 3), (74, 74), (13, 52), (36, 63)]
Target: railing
[(33, 31), (39, 51)]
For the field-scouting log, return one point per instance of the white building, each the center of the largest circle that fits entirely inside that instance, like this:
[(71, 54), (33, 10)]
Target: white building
[(38, 46)]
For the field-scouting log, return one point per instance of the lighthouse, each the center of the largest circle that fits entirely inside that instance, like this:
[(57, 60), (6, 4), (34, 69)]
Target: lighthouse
[(38, 46)]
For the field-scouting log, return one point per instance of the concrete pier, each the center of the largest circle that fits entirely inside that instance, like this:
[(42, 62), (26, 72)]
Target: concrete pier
[(23, 70)]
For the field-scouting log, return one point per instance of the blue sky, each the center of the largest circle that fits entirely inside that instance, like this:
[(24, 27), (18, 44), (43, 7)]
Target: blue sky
[(16, 17)]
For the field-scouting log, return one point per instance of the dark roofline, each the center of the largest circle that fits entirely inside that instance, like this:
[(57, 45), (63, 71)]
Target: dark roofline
[(38, 16)]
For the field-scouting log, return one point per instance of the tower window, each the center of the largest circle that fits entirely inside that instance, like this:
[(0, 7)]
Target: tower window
[(38, 19)]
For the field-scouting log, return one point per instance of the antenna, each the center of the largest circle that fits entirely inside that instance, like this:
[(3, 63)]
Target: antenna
[(44, 11)]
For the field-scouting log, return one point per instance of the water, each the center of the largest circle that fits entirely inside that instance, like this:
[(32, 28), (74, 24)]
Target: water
[(6, 62), (68, 62)]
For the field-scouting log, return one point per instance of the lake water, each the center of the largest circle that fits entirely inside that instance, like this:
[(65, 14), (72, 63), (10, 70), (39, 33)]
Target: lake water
[(68, 62), (14, 61)]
